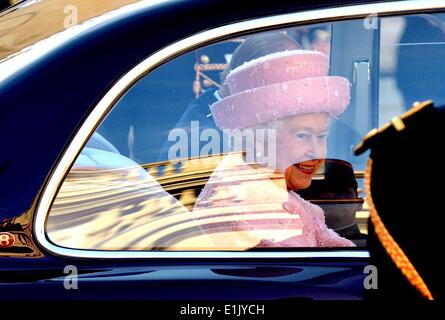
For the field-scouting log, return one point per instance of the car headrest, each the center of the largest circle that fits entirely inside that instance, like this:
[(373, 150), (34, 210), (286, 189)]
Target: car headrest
[(339, 182)]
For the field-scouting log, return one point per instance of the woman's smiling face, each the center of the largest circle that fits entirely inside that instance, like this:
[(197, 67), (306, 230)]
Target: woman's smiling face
[(301, 147)]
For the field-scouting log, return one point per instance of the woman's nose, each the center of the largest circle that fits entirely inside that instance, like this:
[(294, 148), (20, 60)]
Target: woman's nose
[(316, 150)]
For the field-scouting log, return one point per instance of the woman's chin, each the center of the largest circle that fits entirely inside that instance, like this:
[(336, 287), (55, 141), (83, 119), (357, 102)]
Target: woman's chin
[(304, 186), (299, 185)]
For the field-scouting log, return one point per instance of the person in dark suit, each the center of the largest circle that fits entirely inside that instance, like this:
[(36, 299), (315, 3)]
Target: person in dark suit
[(199, 110), (4, 4), (420, 69)]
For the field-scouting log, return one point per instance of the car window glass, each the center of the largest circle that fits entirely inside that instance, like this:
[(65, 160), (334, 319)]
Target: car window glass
[(247, 143)]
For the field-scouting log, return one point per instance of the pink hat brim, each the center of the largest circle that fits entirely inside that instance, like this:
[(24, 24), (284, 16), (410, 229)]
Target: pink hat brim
[(328, 94)]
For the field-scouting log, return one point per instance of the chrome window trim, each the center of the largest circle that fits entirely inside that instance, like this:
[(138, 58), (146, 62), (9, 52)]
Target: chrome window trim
[(121, 86)]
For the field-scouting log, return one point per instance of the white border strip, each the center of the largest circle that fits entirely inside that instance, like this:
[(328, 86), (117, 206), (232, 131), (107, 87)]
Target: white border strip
[(152, 61)]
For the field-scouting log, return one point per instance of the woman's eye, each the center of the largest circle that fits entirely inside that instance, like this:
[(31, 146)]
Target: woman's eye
[(302, 135), (322, 137)]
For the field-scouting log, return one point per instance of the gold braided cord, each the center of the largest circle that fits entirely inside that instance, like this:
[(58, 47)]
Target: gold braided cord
[(392, 248)]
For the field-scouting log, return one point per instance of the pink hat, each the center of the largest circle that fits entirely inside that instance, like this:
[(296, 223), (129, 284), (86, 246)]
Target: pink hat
[(280, 85)]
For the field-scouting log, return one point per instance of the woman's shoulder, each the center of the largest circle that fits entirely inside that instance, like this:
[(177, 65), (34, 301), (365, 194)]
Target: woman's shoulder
[(310, 207)]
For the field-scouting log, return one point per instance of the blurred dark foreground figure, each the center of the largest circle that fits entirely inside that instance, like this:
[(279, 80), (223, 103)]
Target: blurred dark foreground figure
[(406, 182), (4, 4)]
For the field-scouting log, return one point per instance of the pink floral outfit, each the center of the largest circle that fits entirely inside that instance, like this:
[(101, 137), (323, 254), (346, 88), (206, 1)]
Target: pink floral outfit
[(245, 206)]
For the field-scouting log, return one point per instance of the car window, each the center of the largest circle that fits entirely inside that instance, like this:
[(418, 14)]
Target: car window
[(247, 143)]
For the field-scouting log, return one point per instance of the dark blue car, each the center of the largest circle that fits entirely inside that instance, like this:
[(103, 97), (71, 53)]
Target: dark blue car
[(119, 180)]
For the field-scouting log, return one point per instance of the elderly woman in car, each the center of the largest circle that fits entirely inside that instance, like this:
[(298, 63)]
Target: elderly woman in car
[(286, 101)]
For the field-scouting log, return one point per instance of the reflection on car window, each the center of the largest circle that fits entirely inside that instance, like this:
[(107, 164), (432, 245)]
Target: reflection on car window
[(245, 144), (110, 202)]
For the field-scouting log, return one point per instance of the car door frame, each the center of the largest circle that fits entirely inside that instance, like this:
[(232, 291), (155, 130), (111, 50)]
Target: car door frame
[(150, 63)]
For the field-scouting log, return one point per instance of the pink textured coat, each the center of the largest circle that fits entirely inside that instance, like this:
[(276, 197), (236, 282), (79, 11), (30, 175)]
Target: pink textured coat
[(244, 206)]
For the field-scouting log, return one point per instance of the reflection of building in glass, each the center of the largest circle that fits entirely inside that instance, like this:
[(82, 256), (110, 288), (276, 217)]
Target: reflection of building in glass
[(135, 209), (120, 209)]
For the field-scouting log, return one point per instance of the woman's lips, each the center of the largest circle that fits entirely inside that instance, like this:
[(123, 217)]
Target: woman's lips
[(306, 169)]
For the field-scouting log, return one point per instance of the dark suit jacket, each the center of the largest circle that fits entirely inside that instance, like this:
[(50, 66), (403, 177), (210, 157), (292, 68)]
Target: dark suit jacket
[(198, 110)]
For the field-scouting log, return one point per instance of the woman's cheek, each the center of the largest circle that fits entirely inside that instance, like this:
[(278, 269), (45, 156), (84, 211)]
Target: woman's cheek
[(289, 152), (324, 152), (282, 161)]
